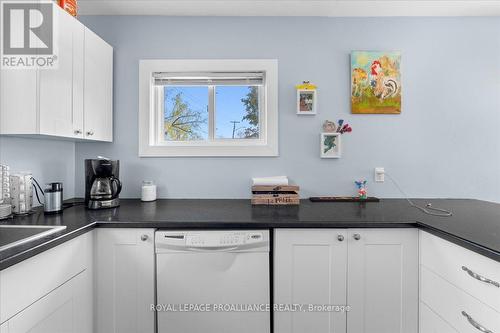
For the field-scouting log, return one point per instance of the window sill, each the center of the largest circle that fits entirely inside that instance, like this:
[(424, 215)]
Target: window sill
[(209, 151)]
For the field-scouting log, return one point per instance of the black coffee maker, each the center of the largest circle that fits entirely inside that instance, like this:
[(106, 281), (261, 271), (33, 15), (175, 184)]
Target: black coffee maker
[(102, 185)]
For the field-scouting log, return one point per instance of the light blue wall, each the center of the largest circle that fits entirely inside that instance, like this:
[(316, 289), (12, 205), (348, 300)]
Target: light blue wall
[(49, 160), (444, 144)]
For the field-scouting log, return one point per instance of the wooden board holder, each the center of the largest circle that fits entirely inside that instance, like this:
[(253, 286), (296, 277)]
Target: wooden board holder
[(275, 195), (343, 199)]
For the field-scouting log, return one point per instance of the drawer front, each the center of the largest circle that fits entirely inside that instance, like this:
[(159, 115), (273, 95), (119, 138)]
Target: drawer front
[(462, 311), (463, 268), (430, 322), (67, 309), (30, 280)]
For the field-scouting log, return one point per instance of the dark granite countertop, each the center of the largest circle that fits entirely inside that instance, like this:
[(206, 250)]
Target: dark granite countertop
[(475, 224)]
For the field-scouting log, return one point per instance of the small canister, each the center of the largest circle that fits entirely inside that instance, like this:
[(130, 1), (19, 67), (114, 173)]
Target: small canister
[(53, 198), (148, 191)]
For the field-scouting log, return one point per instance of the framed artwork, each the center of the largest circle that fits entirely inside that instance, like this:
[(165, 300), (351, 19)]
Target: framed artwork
[(330, 145), (306, 98), (375, 82), (306, 101)]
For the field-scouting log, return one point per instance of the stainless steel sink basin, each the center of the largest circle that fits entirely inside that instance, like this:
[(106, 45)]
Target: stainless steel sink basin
[(15, 235)]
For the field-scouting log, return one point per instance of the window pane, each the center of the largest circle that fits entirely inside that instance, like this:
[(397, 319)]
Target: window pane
[(237, 112), (185, 113)]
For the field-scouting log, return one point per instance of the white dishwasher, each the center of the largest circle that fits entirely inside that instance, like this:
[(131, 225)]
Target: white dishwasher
[(213, 281)]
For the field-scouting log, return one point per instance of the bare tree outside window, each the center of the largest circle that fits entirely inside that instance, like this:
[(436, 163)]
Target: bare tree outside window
[(182, 121)]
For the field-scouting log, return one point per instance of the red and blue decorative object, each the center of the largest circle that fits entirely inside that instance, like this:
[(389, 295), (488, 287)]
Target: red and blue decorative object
[(362, 193)]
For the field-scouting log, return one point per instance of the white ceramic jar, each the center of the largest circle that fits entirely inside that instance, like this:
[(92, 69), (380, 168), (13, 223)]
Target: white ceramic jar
[(148, 191)]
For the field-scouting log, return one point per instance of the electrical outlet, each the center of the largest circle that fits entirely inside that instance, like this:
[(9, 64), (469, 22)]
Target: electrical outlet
[(379, 175)]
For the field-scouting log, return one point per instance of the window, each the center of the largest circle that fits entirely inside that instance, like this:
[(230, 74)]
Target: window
[(208, 108)]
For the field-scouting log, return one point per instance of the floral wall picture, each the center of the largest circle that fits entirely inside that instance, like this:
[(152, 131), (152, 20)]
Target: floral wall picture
[(375, 82)]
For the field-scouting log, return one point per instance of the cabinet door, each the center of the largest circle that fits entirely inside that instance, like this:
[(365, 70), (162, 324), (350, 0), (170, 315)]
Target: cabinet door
[(66, 309), (98, 88), (382, 289), (56, 84), (125, 280), (310, 268), (18, 101), (18, 96), (78, 78)]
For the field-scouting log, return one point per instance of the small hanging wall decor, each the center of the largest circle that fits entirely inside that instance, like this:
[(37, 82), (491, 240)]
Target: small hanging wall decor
[(330, 143), (306, 98)]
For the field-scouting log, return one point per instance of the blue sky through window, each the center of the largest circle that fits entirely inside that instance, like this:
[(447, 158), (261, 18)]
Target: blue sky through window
[(229, 108)]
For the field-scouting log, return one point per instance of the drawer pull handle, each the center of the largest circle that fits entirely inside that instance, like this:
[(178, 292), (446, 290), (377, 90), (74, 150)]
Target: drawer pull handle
[(480, 278), (475, 323)]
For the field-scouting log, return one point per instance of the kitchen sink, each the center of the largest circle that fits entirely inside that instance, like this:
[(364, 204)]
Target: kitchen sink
[(15, 235)]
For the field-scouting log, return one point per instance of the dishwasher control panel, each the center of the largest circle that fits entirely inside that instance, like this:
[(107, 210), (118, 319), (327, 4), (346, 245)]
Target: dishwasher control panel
[(217, 239), (211, 239)]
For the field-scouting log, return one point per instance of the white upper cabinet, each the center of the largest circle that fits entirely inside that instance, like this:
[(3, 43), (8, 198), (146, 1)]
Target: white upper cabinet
[(73, 100), (98, 88), (59, 87), (18, 101), (78, 79)]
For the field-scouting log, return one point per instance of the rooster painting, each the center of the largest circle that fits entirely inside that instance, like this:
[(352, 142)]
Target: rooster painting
[(375, 82)]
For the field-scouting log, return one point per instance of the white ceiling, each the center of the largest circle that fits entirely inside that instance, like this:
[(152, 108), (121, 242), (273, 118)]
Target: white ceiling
[(364, 8)]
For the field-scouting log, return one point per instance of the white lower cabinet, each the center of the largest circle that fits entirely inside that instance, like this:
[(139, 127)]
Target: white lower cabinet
[(310, 267), (67, 309), (104, 281), (125, 280), (374, 271), (50, 292), (459, 286), (382, 287)]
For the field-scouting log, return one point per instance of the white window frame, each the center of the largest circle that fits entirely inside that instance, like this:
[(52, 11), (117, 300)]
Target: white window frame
[(149, 120)]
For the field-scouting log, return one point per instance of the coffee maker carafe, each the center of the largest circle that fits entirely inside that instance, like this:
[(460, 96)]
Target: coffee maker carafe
[(102, 185)]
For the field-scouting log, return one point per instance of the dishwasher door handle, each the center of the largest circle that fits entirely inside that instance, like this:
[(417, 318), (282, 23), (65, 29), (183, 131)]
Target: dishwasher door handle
[(212, 249)]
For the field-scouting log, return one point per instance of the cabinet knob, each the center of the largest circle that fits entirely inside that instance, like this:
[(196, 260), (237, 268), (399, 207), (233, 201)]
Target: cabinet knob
[(144, 238), (78, 131), (356, 236), (90, 133), (340, 238)]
